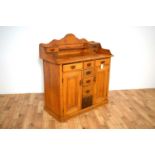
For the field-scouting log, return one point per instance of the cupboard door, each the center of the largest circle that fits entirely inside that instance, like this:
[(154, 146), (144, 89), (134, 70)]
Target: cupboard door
[(72, 92), (101, 84)]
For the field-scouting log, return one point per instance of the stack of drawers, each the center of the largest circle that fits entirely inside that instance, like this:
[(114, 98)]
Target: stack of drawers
[(93, 84), (88, 81)]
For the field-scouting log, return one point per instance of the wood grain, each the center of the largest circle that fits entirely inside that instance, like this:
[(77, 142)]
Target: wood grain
[(72, 92), (66, 84), (126, 109)]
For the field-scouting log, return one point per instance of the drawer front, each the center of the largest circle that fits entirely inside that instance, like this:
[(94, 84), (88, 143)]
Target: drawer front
[(88, 81), (71, 67), (88, 72), (88, 64), (87, 91), (102, 62)]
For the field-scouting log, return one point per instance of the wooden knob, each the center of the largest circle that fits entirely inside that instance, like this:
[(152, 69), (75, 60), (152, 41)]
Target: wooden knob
[(87, 91), (102, 62), (94, 78), (89, 64), (72, 67), (88, 72), (80, 82), (88, 81)]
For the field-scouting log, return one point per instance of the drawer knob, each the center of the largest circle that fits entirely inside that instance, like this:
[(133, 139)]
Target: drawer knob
[(89, 64), (88, 81), (102, 62), (87, 91), (94, 79), (88, 72), (72, 67)]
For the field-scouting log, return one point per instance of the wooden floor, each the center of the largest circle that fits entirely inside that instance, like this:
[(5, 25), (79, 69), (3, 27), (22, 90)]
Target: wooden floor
[(126, 109)]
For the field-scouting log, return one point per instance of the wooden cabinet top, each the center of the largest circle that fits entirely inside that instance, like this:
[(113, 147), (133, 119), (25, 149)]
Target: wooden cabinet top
[(71, 49)]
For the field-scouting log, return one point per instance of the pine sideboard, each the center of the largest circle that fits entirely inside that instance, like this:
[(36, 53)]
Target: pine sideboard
[(76, 76)]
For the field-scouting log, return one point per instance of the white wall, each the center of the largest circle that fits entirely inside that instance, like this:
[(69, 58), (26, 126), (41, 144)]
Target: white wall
[(132, 66)]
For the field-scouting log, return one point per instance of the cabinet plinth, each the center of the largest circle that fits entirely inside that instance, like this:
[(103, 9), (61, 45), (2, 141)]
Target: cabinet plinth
[(76, 76)]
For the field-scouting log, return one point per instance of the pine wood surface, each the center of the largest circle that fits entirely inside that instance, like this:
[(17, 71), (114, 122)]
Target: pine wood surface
[(126, 109), (70, 66)]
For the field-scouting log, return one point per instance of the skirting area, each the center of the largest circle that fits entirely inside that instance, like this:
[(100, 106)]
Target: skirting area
[(126, 109)]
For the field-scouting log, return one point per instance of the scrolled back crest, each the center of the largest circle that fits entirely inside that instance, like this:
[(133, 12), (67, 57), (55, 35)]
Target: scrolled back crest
[(68, 39)]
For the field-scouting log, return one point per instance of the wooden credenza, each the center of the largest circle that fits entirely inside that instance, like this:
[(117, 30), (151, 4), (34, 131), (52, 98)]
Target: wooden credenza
[(76, 76)]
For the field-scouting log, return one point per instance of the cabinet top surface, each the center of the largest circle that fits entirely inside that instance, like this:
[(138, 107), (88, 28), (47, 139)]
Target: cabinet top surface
[(71, 49)]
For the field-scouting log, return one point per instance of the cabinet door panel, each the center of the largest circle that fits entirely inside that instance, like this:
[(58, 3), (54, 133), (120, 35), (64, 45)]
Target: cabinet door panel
[(72, 92), (101, 84)]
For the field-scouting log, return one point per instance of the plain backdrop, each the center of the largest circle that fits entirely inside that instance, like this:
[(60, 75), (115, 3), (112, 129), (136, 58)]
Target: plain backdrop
[(132, 67), (106, 21), (112, 23)]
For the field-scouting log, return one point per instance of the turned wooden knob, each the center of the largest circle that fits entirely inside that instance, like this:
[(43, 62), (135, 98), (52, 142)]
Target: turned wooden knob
[(88, 81), (102, 62), (89, 64), (72, 67), (88, 72), (87, 91)]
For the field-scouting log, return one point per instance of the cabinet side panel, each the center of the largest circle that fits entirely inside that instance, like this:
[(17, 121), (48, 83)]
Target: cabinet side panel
[(52, 87), (108, 79)]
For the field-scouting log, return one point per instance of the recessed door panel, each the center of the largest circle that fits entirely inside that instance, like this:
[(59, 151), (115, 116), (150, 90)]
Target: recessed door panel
[(72, 91)]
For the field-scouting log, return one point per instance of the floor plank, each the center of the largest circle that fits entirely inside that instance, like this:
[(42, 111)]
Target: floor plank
[(131, 109)]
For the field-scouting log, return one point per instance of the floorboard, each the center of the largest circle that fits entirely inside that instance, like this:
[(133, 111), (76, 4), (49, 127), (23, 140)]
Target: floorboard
[(127, 109)]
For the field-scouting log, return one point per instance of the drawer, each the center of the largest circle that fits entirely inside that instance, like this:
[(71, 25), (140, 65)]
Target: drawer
[(102, 61), (88, 64), (88, 81), (71, 67), (88, 72), (87, 91)]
